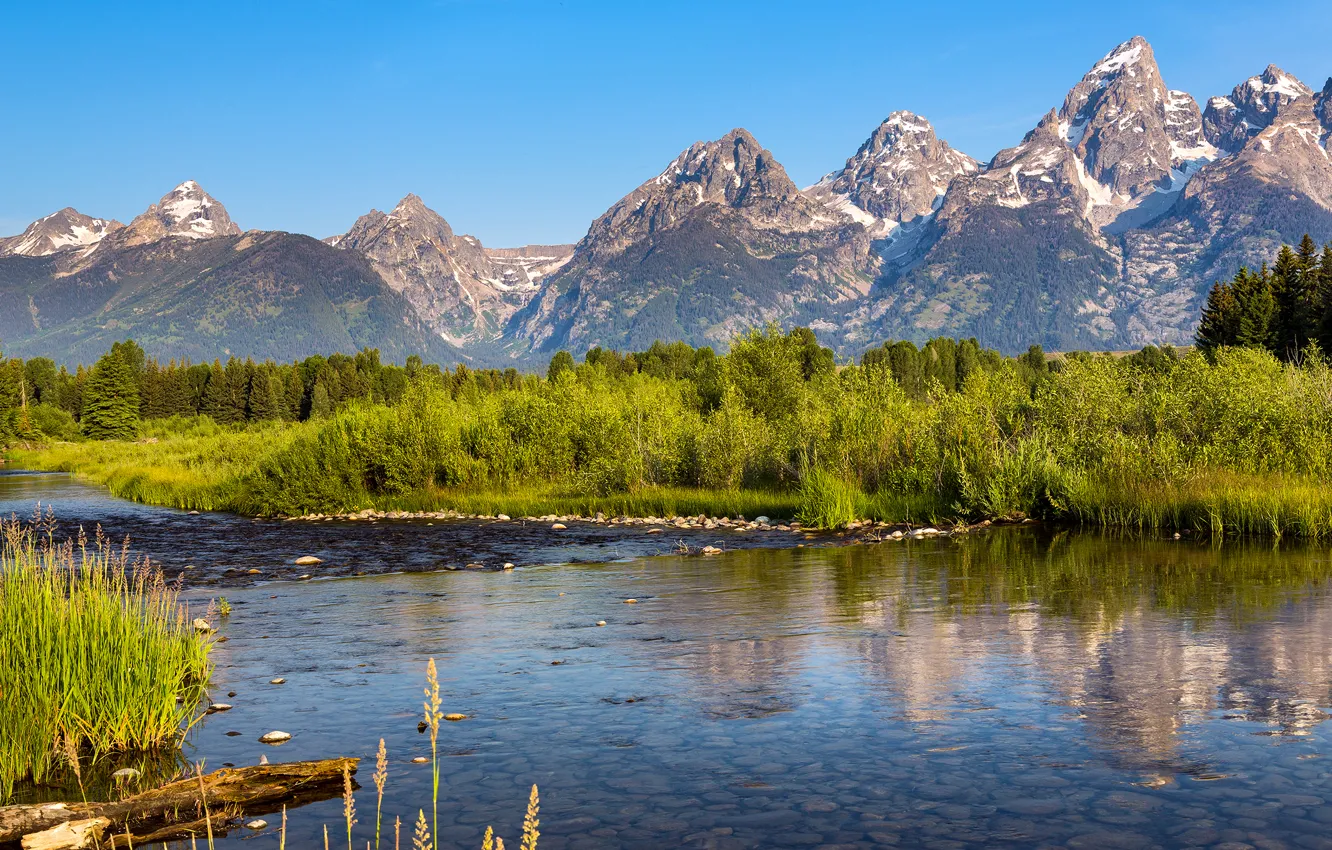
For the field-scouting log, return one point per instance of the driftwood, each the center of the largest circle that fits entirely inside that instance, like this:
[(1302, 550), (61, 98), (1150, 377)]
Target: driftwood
[(175, 811)]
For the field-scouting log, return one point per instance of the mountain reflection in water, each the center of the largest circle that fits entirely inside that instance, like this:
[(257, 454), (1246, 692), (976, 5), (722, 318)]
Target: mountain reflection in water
[(1014, 688)]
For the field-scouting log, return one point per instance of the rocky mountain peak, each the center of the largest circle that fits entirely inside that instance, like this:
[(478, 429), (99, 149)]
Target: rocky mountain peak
[(65, 230), (899, 173), (1115, 119), (451, 280), (1229, 122), (187, 211), (734, 172)]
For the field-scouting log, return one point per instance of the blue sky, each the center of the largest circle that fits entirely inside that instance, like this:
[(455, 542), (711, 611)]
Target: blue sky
[(521, 121)]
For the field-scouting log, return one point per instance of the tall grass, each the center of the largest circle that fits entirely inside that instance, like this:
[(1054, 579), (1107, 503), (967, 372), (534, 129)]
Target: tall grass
[(97, 655)]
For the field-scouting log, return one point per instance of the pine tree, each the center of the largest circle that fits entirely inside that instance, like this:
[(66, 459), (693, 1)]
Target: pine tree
[(1294, 284), (320, 403), (295, 394), (1324, 309), (1220, 317), (152, 392), (1257, 308), (265, 395), (215, 401), (111, 400)]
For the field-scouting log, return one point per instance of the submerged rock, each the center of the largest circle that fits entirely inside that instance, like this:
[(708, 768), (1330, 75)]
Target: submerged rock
[(308, 561), (125, 774)]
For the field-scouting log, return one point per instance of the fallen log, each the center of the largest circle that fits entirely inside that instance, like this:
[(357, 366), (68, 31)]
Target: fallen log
[(261, 789)]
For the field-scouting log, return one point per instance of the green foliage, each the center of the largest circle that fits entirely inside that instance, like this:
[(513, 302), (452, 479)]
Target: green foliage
[(97, 656), (826, 500), (1285, 309), (111, 399)]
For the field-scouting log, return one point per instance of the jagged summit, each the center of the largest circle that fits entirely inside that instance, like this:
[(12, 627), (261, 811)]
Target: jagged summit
[(733, 172), (187, 211), (65, 230), (1229, 122), (451, 280), (899, 173)]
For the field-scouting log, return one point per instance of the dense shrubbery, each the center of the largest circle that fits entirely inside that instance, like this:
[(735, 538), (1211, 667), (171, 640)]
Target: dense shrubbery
[(1224, 438)]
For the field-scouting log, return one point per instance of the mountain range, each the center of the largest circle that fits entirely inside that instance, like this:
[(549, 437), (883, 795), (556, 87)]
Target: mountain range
[(1102, 229)]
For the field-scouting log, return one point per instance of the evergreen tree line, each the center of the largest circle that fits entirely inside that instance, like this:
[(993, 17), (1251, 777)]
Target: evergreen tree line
[(1284, 309), (109, 399)]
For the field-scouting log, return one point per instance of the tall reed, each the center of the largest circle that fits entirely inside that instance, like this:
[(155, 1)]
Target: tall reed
[(97, 655)]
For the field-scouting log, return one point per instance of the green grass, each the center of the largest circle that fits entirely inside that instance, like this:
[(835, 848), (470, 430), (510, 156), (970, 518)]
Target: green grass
[(1271, 505), (97, 658)]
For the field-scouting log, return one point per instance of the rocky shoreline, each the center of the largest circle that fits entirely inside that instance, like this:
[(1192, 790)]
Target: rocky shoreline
[(864, 530)]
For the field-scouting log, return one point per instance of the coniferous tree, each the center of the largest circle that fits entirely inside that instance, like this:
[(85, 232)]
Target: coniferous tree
[(265, 395), (215, 400), (295, 394), (1325, 299), (111, 400), (1220, 317), (1257, 308)]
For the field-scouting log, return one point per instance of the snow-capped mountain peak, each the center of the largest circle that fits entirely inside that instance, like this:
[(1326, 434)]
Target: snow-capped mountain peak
[(898, 174), (1229, 122), (65, 230), (187, 211)]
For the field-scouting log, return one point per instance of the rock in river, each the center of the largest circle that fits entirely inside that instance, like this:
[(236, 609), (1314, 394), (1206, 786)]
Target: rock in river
[(308, 561), (275, 737)]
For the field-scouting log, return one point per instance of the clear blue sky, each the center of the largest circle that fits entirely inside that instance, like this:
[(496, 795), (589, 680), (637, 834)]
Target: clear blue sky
[(522, 121)]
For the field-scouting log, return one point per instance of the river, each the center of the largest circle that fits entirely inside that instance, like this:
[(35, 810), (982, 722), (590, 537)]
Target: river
[(1016, 687)]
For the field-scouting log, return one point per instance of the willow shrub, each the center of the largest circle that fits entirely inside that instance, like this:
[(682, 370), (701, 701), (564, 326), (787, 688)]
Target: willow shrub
[(97, 657)]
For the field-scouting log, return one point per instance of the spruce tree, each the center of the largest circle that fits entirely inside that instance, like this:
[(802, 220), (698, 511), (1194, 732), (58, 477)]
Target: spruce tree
[(111, 400), (1220, 317), (1257, 308), (215, 400), (295, 394), (1325, 299)]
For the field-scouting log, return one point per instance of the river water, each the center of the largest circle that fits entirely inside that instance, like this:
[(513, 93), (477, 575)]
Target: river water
[(1014, 688)]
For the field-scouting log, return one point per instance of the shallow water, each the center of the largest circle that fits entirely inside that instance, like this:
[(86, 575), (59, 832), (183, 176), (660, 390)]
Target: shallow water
[(1012, 689)]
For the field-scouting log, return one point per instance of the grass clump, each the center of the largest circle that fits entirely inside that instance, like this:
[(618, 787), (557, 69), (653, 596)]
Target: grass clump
[(827, 501), (97, 656)]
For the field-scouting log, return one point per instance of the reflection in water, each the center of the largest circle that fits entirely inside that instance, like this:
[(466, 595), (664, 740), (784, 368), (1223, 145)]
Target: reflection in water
[(1017, 688)]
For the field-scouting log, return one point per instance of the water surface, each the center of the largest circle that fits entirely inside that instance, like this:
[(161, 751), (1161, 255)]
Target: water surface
[(1016, 688)]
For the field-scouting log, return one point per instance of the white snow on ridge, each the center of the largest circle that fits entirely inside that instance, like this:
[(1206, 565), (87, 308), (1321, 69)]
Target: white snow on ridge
[(1121, 57)]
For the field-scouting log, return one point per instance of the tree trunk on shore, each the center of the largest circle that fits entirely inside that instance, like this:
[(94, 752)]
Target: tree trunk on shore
[(176, 810)]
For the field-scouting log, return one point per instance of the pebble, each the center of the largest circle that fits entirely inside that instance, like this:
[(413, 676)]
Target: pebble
[(257, 824), (255, 572), (420, 760), (219, 706), (275, 737), (711, 550), (601, 622), (308, 561), (203, 626), (125, 774), (277, 681), (559, 526), (455, 717), (503, 517), (631, 602)]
